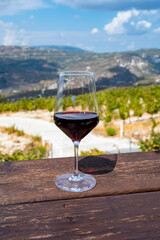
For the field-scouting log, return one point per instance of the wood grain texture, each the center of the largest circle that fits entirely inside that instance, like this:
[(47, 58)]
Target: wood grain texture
[(125, 217), (33, 181)]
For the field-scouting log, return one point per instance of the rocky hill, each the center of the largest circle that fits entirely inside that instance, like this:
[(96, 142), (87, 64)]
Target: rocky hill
[(32, 68)]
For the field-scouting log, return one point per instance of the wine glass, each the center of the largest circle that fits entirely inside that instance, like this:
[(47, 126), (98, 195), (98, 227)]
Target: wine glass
[(76, 114)]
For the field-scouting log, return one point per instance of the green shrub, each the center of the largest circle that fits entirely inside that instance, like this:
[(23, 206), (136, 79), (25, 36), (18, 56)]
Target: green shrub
[(36, 153), (33, 153), (13, 129), (20, 132), (153, 143), (111, 131), (36, 138), (108, 118), (124, 112)]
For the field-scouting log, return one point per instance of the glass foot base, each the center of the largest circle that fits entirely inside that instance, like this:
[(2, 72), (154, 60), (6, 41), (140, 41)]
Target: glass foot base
[(70, 183)]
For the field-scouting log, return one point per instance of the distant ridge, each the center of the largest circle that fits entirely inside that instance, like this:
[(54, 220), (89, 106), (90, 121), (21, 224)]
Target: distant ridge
[(63, 48), (37, 68)]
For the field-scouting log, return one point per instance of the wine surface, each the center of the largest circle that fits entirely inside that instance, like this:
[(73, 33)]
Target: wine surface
[(76, 125)]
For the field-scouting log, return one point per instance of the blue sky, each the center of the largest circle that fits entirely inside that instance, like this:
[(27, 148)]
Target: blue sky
[(93, 25)]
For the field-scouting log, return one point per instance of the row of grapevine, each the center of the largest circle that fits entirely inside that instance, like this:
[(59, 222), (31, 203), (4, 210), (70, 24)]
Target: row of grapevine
[(120, 102), (115, 103), (28, 105)]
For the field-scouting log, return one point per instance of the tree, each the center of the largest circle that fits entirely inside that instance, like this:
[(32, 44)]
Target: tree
[(124, 112), (151, 107)]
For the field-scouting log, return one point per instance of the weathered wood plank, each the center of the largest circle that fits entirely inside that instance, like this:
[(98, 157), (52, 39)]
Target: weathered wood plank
[(32, 181), (129, 216)]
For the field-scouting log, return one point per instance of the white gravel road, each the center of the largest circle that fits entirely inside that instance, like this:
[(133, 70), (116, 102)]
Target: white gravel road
[(62, 145)]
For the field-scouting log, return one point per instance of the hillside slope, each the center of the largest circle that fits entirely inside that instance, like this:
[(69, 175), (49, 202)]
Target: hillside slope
[(30, 68)]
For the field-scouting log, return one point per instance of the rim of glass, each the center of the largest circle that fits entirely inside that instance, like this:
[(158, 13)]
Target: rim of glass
[(76, 73)]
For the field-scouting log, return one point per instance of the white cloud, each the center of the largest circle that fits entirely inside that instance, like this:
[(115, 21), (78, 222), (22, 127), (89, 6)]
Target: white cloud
[(9, 37), (116, 26), (156, 30), (82, 46), (143, 24), (10, 34), (11, 7), (132, 23), (108, 5), (94, 31), (149, 12)]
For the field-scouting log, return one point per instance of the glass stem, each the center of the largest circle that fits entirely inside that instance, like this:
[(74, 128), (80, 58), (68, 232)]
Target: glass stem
[(76, 145)]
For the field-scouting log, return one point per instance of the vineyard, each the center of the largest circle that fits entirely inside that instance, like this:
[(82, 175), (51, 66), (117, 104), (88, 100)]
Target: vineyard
[(113, 104), (118, 103)]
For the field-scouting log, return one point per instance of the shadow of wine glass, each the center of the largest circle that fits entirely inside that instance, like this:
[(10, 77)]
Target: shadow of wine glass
[(97, 164)]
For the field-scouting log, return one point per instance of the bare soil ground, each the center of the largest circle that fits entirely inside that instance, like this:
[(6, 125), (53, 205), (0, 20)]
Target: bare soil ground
[(9, 143), (136, 130)]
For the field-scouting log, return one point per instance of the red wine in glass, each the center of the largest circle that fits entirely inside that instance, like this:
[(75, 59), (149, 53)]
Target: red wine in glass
[(76, 124)]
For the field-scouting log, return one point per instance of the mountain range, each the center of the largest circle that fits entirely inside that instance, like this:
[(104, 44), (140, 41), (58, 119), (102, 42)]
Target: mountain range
[(24, 69)]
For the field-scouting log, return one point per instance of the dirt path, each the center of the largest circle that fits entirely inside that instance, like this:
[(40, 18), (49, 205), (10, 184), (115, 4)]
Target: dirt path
[(62, 145)]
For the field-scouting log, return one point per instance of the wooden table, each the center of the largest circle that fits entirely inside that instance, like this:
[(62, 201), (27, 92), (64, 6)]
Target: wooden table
[(125, 204)]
